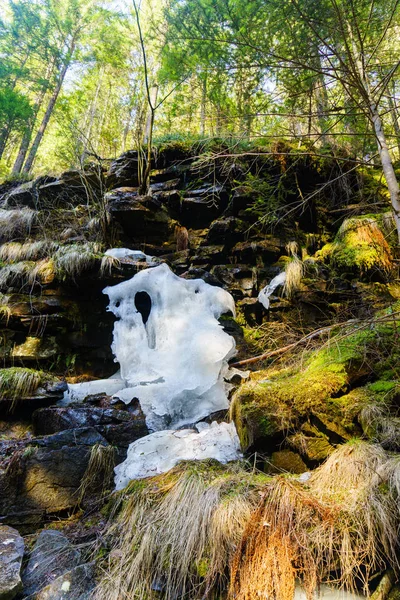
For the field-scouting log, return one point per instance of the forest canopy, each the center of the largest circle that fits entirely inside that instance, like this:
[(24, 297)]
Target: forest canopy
[(82, 78)]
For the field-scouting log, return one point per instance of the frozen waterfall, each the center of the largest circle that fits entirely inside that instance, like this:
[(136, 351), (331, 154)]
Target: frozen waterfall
[(269, 289), (173, 355)]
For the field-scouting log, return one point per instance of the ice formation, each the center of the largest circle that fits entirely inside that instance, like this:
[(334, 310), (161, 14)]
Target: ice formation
[(135, 255), (269, 289), (160, 451), (170, 346), (173, 355)]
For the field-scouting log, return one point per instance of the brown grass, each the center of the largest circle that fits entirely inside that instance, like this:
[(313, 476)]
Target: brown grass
[(177, 532), (99, 472), (339, 529)]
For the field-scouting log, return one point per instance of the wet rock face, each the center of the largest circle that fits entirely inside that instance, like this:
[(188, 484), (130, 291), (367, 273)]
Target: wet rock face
[(118, 427), (11, 553)]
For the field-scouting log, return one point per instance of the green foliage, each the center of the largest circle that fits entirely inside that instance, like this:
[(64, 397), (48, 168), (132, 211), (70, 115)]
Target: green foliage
[(15, 109)]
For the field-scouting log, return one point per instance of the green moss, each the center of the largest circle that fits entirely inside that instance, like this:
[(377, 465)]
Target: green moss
[(382, 387), (359, 246), (280, 400)]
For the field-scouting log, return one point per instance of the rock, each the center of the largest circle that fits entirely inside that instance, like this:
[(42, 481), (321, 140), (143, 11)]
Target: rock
[(11, 553), (240, 279), (194, 212), (268, 250), (144, 221), (42, 477), (76, 584), (123, 171), (118, 427), (23, 195), (164, 186), (208, 255), (252, 310), (286, 460), (36, 348), (312, 443), (43, 391), (230, 229), (50, 192), (198, 273), (52, 556)]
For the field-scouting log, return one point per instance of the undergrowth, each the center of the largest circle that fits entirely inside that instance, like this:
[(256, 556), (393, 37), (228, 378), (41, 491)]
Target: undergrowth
[(177, 532)]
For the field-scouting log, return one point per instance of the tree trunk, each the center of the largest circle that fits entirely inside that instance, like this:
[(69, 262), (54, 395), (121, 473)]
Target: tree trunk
[(145, 182), (5, 132), (148, 133), (387, 166), (4, 135), (26, 139), (93, 108), (49, 110), (203, 107), (395, 120)]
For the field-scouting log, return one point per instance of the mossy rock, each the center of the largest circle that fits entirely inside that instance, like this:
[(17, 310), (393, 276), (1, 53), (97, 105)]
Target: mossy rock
[(360, 248), (286, 460), (324, 386)]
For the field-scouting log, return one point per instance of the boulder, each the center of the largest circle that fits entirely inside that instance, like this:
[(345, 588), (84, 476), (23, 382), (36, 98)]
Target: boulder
[(52, 556), (123, 171), (194, 211), (76, 584), (42, 476), (11, 553), (287, 461), (118, 427), (142, 219), (50, 192), (230, 229), (268, 250)]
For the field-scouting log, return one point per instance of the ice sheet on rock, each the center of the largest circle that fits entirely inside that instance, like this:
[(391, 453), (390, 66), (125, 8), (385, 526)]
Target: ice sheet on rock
[(269, 289), (77, 392), (160, 451), (172, 351), (135, 255)]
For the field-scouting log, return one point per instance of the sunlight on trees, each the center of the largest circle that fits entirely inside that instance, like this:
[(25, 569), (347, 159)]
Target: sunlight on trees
[(79, 80)]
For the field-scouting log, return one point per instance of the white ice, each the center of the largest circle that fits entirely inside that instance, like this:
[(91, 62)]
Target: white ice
[(269, 289), (174, 363), (173, 356), (160, 451), (79, 391), (136, 255)]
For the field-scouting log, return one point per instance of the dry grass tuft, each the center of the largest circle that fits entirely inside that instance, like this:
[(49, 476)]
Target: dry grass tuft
[(108, 263), (176, 533), (294, 274), (99, 472), (43, 272), (16, 275), (19, 383), (15, 223), (73, 259), (340, 529), (13, 252)]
